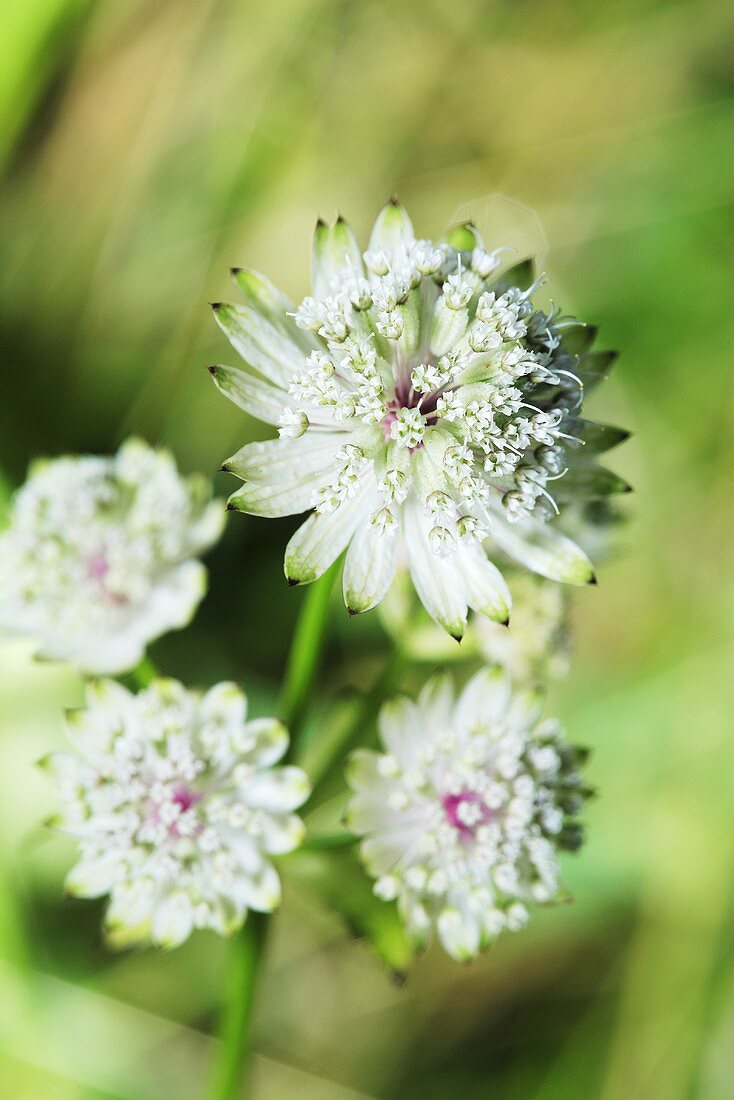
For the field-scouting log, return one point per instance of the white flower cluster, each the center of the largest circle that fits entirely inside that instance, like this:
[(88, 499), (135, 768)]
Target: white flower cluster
[(99, 555), (177, 808), (417, 394), (464, 815)]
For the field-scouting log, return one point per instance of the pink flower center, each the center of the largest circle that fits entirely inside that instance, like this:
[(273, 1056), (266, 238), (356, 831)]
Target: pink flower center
[(387, 423), (185, 798), (407, 398), (466, 812), (98, 567)]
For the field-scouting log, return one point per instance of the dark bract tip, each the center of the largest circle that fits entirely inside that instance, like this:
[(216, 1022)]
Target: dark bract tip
[(291, 582)]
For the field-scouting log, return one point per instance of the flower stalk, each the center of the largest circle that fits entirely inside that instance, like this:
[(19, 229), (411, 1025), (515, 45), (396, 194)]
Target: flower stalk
[(330, 773), (247, 948), (245, 962), (305, 654), (144, 673)]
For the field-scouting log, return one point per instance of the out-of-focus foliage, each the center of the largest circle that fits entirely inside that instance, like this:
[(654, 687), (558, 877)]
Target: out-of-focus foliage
[(147, 148)]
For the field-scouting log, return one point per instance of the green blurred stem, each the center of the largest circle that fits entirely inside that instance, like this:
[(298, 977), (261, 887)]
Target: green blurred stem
[(144, 673), (245, 956), (248, 945), (364, 718), (305, 654)]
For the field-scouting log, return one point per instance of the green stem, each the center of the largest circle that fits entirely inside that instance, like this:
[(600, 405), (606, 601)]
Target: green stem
[(305, 653), (144, 673), (245, 955), (330, 772), (248, 945)]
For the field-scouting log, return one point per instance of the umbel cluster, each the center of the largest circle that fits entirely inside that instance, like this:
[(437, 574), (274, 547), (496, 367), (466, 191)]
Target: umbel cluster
[(429, 420)]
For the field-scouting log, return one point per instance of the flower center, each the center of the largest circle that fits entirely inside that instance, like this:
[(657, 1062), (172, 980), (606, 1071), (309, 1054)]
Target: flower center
[(404, 424), (387, 422), (98, 567), (466, 811), (185, 798)]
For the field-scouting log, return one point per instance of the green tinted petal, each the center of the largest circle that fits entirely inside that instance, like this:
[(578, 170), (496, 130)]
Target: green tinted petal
[(273, 461), (334, 249), (261, 344), (285, 498), (392, 230), (265, 298), (320, 540), (369, 567), (257, 397), (542, 548)]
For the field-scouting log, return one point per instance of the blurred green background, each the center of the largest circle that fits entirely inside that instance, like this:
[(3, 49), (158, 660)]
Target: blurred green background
[(146, 148)]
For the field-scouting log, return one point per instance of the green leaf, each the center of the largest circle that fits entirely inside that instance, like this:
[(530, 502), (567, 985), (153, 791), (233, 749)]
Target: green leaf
[(597, 438), (336, 877), (521, 274), (588, 483), (578, 338), (594, 366)]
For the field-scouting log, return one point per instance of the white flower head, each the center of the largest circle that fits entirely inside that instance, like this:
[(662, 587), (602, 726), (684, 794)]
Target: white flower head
[(439, 373), (99, 557), (464, 815), (176, 807), (534, 646)]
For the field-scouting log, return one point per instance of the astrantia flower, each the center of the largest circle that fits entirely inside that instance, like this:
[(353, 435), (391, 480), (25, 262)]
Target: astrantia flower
[(177, 808), (464, 816), (99, 556), (534, 647), (425, 408)]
